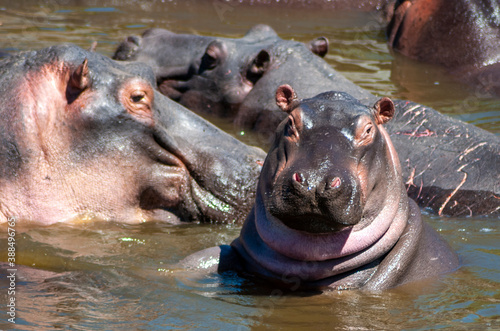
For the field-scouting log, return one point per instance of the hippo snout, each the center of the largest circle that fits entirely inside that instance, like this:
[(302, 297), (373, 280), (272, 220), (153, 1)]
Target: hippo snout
[(308, 200), (331, 183)]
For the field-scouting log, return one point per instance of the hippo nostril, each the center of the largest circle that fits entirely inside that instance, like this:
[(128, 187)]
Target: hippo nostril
[(335, 183), (298, 177)]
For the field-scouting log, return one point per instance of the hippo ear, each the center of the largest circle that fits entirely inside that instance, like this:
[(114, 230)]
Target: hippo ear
[(384, 110), (319, 46), (93, 46), (127, 48), (260, 31), (80, 78), (79, 81), (285, 97)]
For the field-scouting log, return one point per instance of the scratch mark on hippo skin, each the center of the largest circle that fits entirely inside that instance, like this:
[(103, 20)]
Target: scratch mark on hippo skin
[(418, 127), (471, 149), (421, 186), (440, 212), (411, 119), (409, 110), (409, 182)]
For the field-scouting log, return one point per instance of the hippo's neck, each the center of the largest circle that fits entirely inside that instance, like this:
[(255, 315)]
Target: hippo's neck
[(278, 250)]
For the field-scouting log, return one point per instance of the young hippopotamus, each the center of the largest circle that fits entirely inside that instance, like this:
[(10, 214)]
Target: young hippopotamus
[(83, 135), (331, 209), (461, 36), (206, 74)]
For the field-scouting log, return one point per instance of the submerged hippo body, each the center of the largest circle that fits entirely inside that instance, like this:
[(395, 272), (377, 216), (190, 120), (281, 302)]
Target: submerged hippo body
[(461, 36), (331, 209), (85, 135), (206, 74)]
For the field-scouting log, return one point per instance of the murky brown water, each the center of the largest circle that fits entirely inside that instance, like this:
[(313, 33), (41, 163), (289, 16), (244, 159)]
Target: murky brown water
[(116, 277)]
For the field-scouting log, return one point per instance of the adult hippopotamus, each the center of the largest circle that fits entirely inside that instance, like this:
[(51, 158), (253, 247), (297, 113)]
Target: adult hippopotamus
[(206, 74), (450, 167), (331, 208), (85, 135), (461, 35)]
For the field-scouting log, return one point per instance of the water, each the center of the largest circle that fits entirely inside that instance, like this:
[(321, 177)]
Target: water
[(98, 275)]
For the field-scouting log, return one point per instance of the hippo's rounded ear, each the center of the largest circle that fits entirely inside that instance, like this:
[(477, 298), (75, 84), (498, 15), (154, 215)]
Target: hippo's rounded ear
[(285, 97), (80, 79), (93, 46), (319, 46), (127, 48), (260, 31), (384, 110)]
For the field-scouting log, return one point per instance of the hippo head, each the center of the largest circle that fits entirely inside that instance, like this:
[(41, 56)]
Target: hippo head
[(207, 74), (326, 169), (83, 134)]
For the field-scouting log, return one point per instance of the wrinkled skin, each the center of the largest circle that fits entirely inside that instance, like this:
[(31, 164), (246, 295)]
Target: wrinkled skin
[(461, 35), (331, 209), (206, 74), (83, 135)]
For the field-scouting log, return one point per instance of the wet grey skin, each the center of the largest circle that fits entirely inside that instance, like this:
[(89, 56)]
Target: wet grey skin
[(331, 210), (83, 135)]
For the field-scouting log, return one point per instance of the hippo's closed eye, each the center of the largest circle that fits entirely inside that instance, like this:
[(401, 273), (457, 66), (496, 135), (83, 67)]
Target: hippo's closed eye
[(137, 96), (291, 128), (365, 132)]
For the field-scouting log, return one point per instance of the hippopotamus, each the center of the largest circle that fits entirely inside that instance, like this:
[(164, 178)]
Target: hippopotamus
[(450, 167), (447, 164), (85, 136), (462, 36), (331, 209), (206, 74)]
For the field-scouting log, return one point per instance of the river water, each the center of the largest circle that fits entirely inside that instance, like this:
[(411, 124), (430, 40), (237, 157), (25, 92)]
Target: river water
[(97, 275)]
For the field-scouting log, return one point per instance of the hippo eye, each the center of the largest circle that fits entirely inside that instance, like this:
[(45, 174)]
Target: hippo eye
[(291, 130), (137, 96), (365, 137)]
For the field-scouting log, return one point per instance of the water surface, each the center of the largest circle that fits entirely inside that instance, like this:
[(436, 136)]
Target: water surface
[(98, 275)]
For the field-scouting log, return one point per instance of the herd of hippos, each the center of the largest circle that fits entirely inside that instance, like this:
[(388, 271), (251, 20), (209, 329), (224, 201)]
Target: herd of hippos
[(335, 203)]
